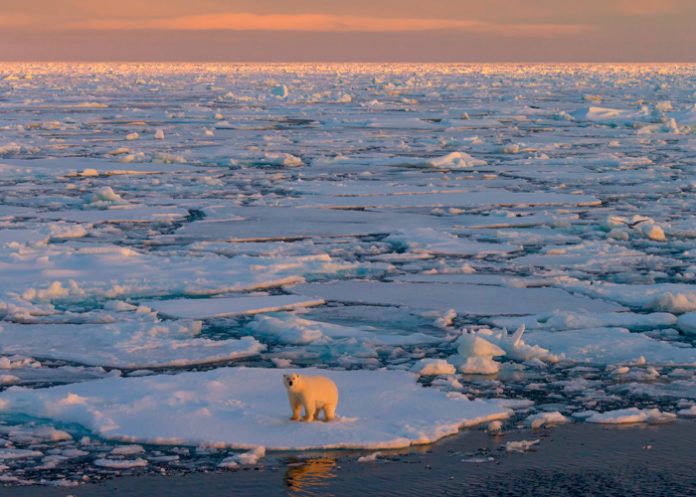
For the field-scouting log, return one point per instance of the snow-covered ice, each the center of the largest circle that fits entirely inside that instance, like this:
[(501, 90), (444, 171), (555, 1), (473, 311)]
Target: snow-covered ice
[(521, 446), (631, 415), (612, 346), (231, 306), (546, 419), (476, 300), (139, 344), (248, 408)]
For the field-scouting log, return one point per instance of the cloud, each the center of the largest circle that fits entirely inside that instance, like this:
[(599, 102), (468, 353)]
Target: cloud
[(15, 20), (645, 7), (242, 21)]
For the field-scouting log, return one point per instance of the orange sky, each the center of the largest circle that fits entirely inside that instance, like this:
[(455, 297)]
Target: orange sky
[(348, 30)]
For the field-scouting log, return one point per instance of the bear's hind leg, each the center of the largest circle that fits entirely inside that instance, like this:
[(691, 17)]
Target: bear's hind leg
[(329, 412)]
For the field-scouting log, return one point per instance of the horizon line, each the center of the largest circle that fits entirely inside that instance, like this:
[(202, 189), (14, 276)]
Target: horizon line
[(277, 62)]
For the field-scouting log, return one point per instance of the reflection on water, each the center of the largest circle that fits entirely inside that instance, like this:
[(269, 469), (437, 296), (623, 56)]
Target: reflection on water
[(310, 477)]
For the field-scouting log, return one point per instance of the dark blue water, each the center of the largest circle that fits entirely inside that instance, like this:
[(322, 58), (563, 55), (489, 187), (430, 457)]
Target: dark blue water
[(576, 460)]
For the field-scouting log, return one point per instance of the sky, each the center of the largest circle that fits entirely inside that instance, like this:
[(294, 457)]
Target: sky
[(349, 30)]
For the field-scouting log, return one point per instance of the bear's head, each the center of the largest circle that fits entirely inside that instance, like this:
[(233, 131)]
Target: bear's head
[(293, 382)]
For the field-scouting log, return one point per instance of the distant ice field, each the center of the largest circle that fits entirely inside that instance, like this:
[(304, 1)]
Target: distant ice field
[(508, 243)]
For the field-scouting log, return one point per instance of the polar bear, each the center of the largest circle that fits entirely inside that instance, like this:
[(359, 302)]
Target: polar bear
[(314, 393)]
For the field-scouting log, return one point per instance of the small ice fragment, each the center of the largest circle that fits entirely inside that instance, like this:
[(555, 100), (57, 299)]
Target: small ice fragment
[(521, 446), (247, 458), (474, 346), (282, 159), (120, 463), (8, 379), (511, 148), (281, 363), (476, 365), (494, 427), (105, 194), (654, 232), (127, 450), (479, 460), (621, 370), (536, 421), (369, 458), (456, 160), (8, 454), (688, 413), (632, 415), (476, 355), (433, 367)]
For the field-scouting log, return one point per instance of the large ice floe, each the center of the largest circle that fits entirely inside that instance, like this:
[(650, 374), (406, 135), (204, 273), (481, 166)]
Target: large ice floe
[(129, 345), (248, 407), (427, 235)]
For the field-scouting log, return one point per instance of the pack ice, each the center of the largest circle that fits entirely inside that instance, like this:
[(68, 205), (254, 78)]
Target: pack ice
[(442, 240)]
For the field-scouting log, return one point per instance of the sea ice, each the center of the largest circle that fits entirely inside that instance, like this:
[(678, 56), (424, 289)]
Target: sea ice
[(612, 346), (545, 419), (521, 446), (120, 463), (632, 415), (476, 355), (465, 299), (228, 306), (6, 454), (455, 160), (247, 458), (289, 328), (247, 408), (431, 241), (413, 199), (131, 345), (433, 367), (570, 320), (687, 323)]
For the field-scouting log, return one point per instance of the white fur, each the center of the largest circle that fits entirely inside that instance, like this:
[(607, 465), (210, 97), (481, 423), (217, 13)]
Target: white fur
[(314, 393)]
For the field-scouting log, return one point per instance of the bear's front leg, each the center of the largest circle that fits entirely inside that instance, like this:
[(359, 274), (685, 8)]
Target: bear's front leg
[(296, 409)]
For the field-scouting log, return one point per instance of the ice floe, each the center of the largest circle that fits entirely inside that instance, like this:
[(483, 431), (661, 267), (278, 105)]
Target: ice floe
[(137, 344), (632, 415), (248, 408), (546, 419), (687, 323), (612, 346), (464, 298), (569, 320), (289, 328), (228, 306)]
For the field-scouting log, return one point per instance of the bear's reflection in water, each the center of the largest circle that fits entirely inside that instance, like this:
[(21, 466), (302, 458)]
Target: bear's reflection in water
[(307, 478)]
